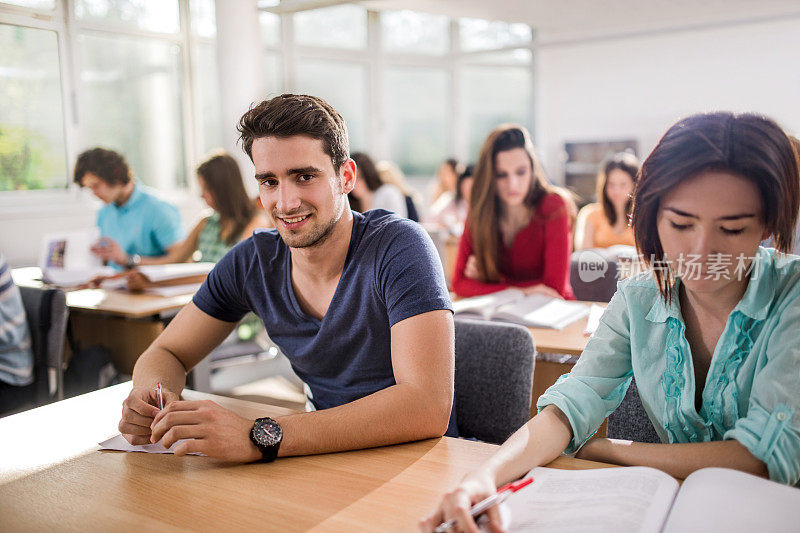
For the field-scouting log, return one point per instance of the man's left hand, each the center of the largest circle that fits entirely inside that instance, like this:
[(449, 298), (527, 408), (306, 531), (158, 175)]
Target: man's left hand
[(107, 249), (207, 428)]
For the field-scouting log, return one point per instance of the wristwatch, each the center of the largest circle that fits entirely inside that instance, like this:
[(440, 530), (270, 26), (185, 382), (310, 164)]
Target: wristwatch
[(133, 261), (267, 435)]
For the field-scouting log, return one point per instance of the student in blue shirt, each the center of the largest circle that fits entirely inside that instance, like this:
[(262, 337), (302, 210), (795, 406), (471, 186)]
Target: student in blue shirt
[(714, 347), (358, 303), (136, 226)]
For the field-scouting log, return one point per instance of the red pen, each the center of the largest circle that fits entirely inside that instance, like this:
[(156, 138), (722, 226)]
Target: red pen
[(495, 499), (160, 396)]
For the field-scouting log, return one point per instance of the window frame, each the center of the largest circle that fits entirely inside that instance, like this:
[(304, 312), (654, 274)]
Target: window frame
[(377, 60), (63, 22)]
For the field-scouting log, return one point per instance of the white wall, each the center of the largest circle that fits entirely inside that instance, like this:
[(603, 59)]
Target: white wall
[(636, 87)]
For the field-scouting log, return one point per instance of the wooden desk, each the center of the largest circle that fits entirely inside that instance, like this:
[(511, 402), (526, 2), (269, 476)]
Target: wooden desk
[(52, 477), (124, 322)]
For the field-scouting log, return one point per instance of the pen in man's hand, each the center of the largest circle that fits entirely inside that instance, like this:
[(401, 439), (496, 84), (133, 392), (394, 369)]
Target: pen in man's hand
[(160, 395), (495, 499)]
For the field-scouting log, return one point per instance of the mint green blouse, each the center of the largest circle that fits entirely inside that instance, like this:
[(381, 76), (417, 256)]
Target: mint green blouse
[(752, 390)]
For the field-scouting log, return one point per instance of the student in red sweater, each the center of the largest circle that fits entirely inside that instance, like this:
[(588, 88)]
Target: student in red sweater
[(518, 232)]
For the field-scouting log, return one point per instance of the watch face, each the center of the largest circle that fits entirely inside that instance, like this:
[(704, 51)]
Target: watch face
[(267, 432)]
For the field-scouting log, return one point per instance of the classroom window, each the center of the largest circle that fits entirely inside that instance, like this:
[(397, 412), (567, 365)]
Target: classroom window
[(204, 22), (478, 34), (32, 143), (270, 25), (343, 85), (408, 31), (494, 95), (148, 15), (208, 97), (343, 26), (416, 109), (131, 102), (33, 4)]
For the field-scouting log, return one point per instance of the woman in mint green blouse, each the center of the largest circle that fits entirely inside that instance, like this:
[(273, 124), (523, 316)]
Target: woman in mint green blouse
[(711, 332)]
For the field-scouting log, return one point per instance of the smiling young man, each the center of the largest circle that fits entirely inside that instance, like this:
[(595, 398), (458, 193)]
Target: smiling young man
[(358, 303)]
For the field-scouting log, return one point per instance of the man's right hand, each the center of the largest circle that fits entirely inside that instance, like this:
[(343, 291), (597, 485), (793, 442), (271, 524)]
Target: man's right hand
[(138, 411)]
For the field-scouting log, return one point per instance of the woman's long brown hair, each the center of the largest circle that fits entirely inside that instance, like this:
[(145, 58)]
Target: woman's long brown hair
[(221, 174), (485, 205)]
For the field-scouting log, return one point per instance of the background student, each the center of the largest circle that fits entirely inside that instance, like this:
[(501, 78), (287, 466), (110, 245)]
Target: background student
[(370, 192), (446, 178), (234, 218), (16, 357), (518, 232), (715, 358), (390, 174), (605, 223), (136, 226), (450, 210)]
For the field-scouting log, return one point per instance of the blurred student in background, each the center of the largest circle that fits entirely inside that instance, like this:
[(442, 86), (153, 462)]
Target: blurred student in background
[(390, 174), (234, 216), (136, 227), (518, 231), (16, 357), (370, 192), (446, 179), (606, 222), (450, 210)]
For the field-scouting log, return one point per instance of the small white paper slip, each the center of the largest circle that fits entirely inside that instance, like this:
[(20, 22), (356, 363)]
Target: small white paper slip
[(119, 443), (595, 312)]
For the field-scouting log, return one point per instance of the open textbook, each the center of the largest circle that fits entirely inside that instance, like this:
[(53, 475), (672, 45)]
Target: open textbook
[(512, 305), (66, 258), (643, 499)]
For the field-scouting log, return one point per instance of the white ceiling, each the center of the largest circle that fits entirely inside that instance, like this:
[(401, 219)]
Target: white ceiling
[(557, 20)]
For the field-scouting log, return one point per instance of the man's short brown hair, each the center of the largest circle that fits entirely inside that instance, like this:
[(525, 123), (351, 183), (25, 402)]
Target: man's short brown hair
[(107, 165), (296, 114)]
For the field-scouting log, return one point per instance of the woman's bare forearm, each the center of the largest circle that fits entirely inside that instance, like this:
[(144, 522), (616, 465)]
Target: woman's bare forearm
[(679, 459), (537, 443)]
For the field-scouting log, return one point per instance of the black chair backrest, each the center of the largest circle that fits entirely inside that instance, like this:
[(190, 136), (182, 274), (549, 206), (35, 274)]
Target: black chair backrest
[(413, 214), (46, 311), (493, 378), (630, 420)]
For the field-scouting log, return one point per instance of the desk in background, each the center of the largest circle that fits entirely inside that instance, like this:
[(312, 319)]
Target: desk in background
[(52, 477), (124, 322)]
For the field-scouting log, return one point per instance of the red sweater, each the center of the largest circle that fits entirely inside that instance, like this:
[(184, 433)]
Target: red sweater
[(539, 254)]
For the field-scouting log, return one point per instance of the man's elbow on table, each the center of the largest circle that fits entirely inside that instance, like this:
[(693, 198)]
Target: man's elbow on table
[(432, 417)]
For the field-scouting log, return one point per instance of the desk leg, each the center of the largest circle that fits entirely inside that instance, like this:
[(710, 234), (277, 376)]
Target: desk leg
[(126, 338)]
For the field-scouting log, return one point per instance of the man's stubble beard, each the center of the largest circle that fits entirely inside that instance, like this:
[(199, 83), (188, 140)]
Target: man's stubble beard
[(318, 235)]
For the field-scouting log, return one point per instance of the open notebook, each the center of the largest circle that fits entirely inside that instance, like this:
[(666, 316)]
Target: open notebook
[(644, 499), (512, 305)]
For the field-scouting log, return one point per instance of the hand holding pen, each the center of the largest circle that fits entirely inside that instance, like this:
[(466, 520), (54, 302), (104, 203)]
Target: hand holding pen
[(140, 409), (454, 504)]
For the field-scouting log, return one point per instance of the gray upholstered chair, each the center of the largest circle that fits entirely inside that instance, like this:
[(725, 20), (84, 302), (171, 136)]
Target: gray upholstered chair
[(493, 378), (46, 312), (606, 260), (630, 420)]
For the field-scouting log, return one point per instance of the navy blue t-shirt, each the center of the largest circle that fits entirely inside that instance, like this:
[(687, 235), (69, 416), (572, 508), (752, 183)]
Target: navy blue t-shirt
[(392, 272)]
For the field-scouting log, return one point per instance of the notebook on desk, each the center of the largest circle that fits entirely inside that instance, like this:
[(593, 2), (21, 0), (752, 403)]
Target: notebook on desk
[(513, 305), (642, 499)]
